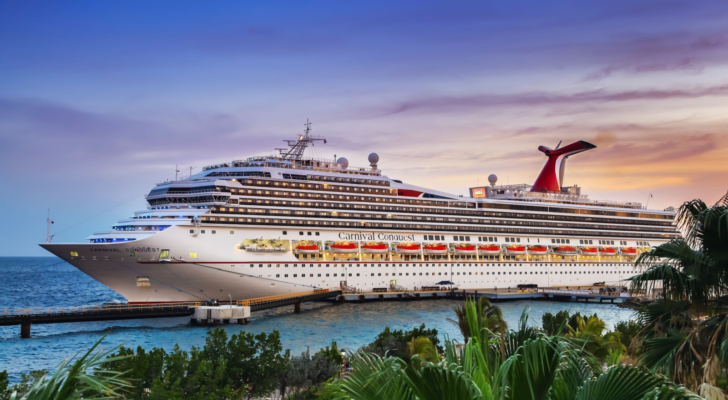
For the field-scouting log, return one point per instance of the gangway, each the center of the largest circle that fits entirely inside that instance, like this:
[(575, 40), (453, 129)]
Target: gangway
[(25, 317)]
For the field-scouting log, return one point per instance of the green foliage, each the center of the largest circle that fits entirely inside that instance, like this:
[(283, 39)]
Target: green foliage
[(539, 367), (559, 324), (247, 365), (490, 314), (4, 386), (333, 354), (71, 381), (685, 334), (628, 332), (304, 375), (555, 324), (395, 343)]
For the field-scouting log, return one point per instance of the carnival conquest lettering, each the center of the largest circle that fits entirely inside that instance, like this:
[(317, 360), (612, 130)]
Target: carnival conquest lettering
[(376, 236)]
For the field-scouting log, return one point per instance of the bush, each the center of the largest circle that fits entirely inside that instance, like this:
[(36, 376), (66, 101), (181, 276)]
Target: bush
[(395, 343)]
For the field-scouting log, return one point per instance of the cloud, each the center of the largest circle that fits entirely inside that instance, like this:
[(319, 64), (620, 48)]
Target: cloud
[(469, 102)]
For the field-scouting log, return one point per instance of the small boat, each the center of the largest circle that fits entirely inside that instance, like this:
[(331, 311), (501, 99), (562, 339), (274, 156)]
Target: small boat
[(565, 251), (489, 249), (465, 249), (344, 248), (538, 250), (307, 248), (408, 248), (629, 252), (588, 251), (435, 249), (608, 251), (516, 250), (374, 248)]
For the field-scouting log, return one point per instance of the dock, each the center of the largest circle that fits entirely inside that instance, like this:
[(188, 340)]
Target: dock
[(25, 317), (494, 295)]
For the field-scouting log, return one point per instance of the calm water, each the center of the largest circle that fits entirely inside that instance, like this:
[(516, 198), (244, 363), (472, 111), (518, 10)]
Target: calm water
[(47, 281)]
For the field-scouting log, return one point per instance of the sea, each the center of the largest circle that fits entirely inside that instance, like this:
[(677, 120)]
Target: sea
[(37, 282)]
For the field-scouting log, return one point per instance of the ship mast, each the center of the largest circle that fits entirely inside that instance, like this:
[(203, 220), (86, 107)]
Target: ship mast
[(48, 230), (297, 147)]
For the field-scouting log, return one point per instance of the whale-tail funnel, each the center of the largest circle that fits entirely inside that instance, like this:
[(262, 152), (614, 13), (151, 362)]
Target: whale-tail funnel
[(551, 177)]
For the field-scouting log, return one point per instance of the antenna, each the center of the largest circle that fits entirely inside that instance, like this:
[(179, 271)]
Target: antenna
[(191, 171), (176, 171), (297, 147), (558, 145), (49, 237)]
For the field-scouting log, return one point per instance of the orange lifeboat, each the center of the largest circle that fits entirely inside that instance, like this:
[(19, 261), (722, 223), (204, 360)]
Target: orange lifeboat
[(565, 251), (629, 252), (608, 251), (307, 247), (344, 247), (408, 248), (515, 250), (489, 249), (374, 248), (435, 248), (538, 250), (465, 248), (589, 251)]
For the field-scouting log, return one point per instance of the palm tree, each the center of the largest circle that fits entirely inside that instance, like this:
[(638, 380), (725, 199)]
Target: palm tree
[(540, 368), (71, 380), (423, 348), (491, 314), (684, 334), (590, 333)]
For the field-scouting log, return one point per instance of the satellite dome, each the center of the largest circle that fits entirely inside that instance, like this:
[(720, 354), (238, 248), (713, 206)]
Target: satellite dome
[(343, 162), (492, 179), (373, 158)]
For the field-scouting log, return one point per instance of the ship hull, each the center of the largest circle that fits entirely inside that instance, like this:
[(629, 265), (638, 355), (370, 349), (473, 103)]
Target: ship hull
[(221, 270)]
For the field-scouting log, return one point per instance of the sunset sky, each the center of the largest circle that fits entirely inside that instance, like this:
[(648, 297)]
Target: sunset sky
[(99, 100)]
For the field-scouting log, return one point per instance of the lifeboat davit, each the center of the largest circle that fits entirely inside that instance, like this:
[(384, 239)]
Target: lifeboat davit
[(344, 248), (374, 248), (608, 251), (307, 249), (516, 250), (489, 249), (538, 250), (629, 252), (465, 249), (409, 248), (435, 249), (589, 251), (565, 251)]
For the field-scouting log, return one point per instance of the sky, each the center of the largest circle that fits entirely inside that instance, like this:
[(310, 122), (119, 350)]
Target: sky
[(100, 100)]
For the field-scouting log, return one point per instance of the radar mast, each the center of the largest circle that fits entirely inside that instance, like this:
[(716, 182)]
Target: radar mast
[(297, 147)]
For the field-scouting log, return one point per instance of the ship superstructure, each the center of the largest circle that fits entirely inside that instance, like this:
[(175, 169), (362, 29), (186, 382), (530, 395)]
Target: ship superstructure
[(287, 223)]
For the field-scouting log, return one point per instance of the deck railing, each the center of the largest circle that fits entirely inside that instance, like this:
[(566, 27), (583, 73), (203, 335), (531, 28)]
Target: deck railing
[(259, 300)]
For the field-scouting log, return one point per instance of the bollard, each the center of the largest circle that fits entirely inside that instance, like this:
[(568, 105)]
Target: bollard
[(25, 329)]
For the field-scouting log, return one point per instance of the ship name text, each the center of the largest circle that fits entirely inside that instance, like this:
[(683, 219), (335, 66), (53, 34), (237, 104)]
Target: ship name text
[(375, 236)]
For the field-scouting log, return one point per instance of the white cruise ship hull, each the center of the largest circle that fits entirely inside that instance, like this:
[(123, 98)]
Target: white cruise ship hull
[(220, 269)]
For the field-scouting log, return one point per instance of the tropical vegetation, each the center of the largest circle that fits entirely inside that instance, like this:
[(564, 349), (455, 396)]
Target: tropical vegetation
[(684, 334)]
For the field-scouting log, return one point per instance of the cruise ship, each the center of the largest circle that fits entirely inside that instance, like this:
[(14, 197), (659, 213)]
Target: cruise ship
[(289, 223)]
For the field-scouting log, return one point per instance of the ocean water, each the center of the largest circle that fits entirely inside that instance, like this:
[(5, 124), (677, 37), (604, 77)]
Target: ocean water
[(47, 281)]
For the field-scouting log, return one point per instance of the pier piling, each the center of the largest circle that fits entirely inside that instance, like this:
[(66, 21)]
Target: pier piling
[(297, 308), (25, 330)]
